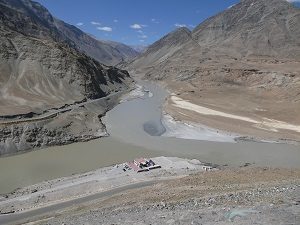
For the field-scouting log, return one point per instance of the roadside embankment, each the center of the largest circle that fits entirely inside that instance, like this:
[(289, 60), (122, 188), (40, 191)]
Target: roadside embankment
[(231, 196), (67, 188)]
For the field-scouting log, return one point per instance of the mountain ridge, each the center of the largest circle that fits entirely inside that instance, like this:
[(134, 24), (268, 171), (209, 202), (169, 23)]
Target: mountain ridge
[(106, 52), (252, 17), (102, 51), (267, 30)]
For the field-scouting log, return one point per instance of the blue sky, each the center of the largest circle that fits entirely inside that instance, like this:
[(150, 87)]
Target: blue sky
[(134, 22)]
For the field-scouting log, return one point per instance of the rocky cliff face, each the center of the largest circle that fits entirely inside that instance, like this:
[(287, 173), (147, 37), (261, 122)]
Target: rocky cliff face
[(82, 123)]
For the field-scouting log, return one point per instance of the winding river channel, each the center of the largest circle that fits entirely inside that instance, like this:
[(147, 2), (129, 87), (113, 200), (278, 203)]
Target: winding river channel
[(135, 128)]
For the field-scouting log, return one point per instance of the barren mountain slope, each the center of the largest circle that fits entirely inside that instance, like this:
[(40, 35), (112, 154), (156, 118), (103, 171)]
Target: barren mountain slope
[(107, 52), (263, 28), (163, 49), (40, 70), (244, 61), (44, 77)]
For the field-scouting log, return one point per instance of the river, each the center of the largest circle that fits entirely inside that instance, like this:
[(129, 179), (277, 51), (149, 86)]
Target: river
[(134, 128)]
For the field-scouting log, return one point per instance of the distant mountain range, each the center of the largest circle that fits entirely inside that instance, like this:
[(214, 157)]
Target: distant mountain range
[(106, 52), (46, 63), (250, 29), (139, 48)]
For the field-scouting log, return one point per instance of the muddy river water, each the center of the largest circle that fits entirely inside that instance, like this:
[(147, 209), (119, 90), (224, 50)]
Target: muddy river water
[(134, 128)]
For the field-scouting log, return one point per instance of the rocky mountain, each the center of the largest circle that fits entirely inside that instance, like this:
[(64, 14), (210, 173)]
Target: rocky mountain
[(41, 68), (163, 48), (244, 60), (251, 28), (107, 52), (50, 91), (139, 48)]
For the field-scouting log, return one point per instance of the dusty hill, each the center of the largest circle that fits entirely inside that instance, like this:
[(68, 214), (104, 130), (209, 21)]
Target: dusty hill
[(244, 61), (40, 68)]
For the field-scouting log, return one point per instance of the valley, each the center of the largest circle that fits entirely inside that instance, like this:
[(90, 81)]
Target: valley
[(243, 61), (201, 126), (130, 140)]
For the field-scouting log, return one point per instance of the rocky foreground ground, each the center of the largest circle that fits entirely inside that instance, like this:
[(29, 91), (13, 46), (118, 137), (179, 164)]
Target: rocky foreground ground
[(230, 196)]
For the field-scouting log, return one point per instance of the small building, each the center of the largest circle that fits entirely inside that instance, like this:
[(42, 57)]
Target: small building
[(207, 168), (142, 165)]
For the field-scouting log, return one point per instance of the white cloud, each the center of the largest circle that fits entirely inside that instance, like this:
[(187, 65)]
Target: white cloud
[(95, 23), (143, 36), (154, 20), (142, 40), (107, 29), (137, 26), (180, 25), (79, 24), (192, 26), (140, 31), (116, 21)]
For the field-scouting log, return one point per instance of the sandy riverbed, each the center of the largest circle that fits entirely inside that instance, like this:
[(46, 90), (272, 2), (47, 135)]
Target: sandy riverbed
[(193, 131), (265, 123)]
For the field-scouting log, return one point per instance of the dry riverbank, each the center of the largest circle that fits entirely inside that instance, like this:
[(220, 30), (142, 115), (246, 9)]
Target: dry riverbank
[(77, 123), (247, 121)]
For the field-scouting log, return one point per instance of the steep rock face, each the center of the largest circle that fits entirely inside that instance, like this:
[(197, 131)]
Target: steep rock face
[(40, 69)]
